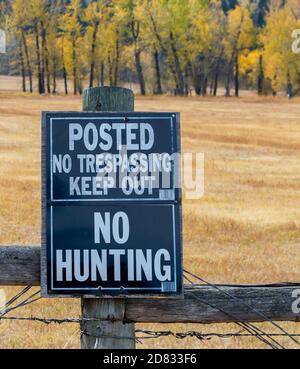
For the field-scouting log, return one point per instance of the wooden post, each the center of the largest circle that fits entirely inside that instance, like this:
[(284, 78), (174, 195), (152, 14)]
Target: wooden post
[(106, 335)]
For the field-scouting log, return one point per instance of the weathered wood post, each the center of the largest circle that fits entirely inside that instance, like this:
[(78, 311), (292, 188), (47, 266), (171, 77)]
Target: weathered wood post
[(106, 334)]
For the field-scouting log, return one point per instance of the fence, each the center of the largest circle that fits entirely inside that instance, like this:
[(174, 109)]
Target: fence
[(203, 303)]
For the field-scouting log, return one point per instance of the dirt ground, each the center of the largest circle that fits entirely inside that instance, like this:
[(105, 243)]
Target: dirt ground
[(246, 228)]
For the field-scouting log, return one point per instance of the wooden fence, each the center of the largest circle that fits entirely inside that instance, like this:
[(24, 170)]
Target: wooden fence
[(20, 266)]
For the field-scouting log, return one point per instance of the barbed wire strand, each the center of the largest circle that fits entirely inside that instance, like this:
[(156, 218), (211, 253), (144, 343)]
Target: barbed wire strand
[(262, 315), (29, 300), (14, 298), (58, 321), (157, 334), (252, 330), (249, 327), (152, 334), (76, 320)]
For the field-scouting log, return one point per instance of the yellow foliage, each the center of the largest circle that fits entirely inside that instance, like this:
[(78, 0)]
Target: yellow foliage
[(249, 64), (239, 31), (280, 63)]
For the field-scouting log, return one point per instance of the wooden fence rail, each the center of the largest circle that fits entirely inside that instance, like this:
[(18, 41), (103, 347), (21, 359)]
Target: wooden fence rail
[(20, 266)]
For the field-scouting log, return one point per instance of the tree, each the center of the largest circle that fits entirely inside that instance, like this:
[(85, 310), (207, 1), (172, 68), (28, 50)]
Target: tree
[(93, 17), (281, 65), (260, 10), (239, 38), (203, 44), (73, 43), (19, 25), (154, 41), (169, 23), (41, 17)]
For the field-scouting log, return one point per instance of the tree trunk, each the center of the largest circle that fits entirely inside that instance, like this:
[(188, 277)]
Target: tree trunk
[(180, 78), (47, 64), (228, 82), (117, 61), (139, 71), (158, 87), (290, 93), (54, 76), (211, 87), (74, 65), (237, 76), (92, 67), (186, 79), (216, 81), (44, 63), (135, 31), (80, 88), (48, 77), (197, 76), (289, 86), (65, 76), (204, 88), (234, 62), (38, 62), (22, 65), (27, 62), (164, 49), (102, 76), (261, 77), (110, 72), (198, 81)]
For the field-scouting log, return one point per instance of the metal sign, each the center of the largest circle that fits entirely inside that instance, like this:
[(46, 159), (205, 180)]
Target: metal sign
[(109, 157), (111, 204)]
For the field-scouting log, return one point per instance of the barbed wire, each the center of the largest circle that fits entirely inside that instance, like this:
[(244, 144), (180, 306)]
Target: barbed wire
[(4, 310), (245, 304), (150, 334), (248, 330), (249, 327), (257, 332)]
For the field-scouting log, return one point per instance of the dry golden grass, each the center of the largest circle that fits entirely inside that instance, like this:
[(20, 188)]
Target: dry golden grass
[(246, 229)]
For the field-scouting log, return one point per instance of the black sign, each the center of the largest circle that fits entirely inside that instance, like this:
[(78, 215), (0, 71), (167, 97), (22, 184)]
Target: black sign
[(110, 157), (111, 204)]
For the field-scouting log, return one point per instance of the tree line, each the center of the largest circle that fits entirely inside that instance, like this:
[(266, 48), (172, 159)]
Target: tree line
[(178, 46)]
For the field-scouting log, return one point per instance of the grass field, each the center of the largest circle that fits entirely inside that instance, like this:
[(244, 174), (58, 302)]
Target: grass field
[(246, 229)]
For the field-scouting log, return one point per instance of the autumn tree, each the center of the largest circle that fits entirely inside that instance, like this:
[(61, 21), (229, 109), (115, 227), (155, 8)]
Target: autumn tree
[(71, 25), (131, 13), (93, 16), (183, 46), (281, 64), (203, 42), (239, 38)]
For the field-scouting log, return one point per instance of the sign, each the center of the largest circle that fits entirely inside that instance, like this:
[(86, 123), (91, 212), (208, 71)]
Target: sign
[(111, 204), (101, 157)]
